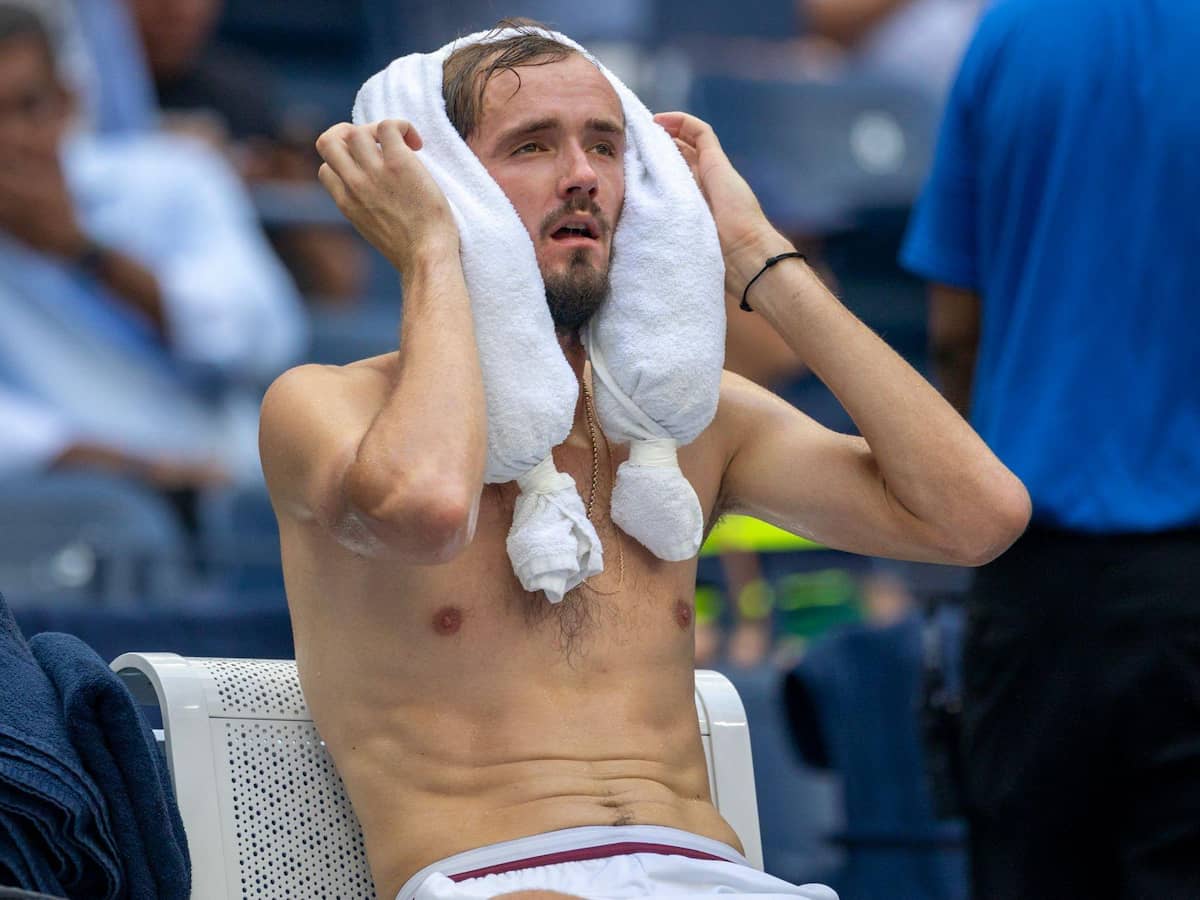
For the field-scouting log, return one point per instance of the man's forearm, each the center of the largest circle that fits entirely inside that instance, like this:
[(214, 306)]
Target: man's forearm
[(930, 460), (420, 465)]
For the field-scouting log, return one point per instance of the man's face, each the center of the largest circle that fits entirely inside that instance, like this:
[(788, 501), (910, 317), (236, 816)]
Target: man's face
[(34, 106), (554, 141)]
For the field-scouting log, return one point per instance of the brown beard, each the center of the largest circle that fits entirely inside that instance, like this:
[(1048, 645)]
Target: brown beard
[(574, 295)]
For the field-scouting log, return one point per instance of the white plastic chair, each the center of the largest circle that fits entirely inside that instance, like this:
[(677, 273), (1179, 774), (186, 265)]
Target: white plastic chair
[(265, 811)]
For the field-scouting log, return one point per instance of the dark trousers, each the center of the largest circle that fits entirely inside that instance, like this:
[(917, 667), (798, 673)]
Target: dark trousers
[(1081, 718)]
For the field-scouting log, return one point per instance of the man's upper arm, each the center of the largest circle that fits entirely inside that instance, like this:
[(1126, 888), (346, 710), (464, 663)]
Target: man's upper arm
[(313, 419), (791, 471)]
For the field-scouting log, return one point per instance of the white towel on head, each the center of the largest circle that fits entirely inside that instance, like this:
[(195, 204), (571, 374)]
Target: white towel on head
[(529, 386), (657, 344), (657, 350)]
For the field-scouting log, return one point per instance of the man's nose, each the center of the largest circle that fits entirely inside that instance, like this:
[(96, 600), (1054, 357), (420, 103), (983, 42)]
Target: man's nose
[(578, 174)]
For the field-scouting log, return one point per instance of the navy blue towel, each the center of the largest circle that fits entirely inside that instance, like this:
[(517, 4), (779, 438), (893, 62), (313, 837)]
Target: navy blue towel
[(55, 832), (118, 750)]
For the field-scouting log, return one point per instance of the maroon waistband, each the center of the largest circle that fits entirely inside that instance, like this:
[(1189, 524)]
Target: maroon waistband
[(603, 851)]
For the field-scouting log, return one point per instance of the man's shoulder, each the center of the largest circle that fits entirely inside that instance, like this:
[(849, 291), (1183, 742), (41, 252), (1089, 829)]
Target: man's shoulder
[(314, 384), (312, 417), (742, 401), (743, 407)]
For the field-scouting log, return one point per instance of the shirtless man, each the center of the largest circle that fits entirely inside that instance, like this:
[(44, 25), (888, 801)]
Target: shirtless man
[(460, 710)]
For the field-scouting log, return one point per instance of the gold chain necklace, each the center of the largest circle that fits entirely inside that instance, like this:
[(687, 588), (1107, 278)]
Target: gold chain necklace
[(590, 416)]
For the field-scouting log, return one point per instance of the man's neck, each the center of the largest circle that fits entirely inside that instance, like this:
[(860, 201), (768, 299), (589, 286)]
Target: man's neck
[(576, 355)]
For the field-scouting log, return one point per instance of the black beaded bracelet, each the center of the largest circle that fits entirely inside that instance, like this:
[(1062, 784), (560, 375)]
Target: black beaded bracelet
[(794, 254)]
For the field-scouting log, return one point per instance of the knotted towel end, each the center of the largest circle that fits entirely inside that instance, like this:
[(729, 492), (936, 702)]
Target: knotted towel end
[(552, 543)]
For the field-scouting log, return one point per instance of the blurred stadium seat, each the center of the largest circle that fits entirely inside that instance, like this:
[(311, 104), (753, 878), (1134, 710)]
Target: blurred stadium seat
[(821, 154), (253, 633), (343, 336), (798, 806), (89, 538), (240, 545), (323, 49), (432, 23), (677, 21), (852, 705)]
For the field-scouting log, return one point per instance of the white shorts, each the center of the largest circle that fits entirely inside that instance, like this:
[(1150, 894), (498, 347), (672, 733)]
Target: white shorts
[(602, 862)]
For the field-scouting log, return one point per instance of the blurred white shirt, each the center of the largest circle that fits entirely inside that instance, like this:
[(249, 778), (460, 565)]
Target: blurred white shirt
[(921, 43), (79, 364)]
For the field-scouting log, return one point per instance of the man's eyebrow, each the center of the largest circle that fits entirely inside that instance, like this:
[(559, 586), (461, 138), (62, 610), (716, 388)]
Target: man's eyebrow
[(605, 126), (524, 129)]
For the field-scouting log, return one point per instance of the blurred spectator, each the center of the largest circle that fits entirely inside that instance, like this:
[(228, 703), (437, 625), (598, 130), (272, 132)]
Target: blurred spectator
[(142, 307), (221, 87), (117, 93), (917, 41), (1060, 229), (228, 97)]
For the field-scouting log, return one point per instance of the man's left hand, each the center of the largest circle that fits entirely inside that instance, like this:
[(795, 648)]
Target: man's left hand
[(36, 208)]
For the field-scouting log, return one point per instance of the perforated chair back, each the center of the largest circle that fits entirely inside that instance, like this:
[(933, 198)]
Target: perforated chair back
[(265, 811)]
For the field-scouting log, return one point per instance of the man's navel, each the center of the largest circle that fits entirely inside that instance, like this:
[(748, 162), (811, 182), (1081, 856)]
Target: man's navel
[(447, 620)]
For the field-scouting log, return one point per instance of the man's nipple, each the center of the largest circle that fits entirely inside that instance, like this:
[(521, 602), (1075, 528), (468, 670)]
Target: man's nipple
[(683, 614), (447, 620)]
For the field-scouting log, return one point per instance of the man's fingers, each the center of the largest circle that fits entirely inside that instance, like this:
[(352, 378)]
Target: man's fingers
[(692, 131), (333, 136), (332, 183), (398, 139), (332, 147), (692, 159), (392, 132), (361, 143)]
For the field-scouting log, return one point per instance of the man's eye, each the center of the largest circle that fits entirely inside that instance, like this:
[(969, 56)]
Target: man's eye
[(606, 149), (531, 147)]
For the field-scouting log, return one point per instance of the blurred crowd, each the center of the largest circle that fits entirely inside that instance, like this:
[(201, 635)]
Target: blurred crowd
[(166, 252)]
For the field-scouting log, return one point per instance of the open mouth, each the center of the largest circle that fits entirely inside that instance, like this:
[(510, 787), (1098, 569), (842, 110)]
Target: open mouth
[(575, 231)]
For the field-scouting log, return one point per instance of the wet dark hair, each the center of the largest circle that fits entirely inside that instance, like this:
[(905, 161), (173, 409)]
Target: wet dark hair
[(467, 71)]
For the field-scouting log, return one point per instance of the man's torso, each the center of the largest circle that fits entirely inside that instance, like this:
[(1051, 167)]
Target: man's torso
[(461, 710)]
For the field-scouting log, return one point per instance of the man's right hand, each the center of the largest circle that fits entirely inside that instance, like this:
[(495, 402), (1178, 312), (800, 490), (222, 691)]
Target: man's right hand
[(373, 174)]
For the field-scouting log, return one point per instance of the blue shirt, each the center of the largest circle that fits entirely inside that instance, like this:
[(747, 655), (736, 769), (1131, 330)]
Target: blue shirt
[(77, 364), (1065, 192)]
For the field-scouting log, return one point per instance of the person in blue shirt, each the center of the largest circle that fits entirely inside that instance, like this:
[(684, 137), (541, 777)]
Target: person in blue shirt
[(142, 307), (1060, 230)]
